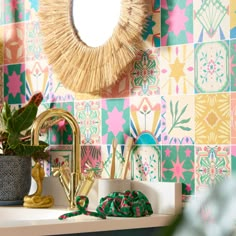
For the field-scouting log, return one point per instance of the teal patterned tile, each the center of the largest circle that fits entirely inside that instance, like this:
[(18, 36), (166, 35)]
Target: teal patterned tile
[(212, 67), (88, 115), (62, 132), (14, 83), (178, 166), (1, 12), (146, 163), (232, 64), (145, 74), (233, 159), (31, 9), (176, 22), (13, 11), (213, 164), (115, 120)]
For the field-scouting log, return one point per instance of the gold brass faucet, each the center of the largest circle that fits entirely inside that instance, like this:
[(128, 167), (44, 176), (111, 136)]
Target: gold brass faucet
[(73, 183)]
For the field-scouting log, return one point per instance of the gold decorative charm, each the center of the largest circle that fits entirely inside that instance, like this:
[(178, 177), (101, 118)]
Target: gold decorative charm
[(85, 69), (36, 200)]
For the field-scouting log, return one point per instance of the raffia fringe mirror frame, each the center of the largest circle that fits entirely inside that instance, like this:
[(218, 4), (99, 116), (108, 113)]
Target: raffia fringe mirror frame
[(82, 68)]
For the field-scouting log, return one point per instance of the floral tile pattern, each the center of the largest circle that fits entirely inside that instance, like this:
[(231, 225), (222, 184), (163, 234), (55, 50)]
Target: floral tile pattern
[(232, 19), (14, 83), (119, 162), (212, 119), (115, 120), (1, 12), (14, 36), (178, 166), (88, 115), (37, 74), (1, 84), (233, 118), (176, 22), (146, 163), (213, 163), (208, 27), (177, 70), (33, 48), (211, 67), (13, 11), (145, 73), (152, 31), (177, 120), (232, 64), (145, 114)]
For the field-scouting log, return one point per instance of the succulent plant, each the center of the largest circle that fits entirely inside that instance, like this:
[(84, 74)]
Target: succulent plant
[(15, 127)]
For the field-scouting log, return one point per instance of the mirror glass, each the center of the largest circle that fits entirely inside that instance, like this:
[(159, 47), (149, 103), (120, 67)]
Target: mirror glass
[(95, 20)]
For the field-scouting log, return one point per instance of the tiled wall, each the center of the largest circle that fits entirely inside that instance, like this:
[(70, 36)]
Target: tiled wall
[(178, 96)]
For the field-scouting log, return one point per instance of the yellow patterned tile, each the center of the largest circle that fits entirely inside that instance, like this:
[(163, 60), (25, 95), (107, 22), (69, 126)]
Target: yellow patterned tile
[(212, 119)]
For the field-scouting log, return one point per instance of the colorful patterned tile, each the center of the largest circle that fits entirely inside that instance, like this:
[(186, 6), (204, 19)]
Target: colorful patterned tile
[(31, 9), (88, 115), (233, 118), (212, 119), (232, 9), (14, 35), (146, 163), (211, 67), (62, 133), (119, 90), (37, 74), (13, 11), (177, 70), (233, 159), (213, 164), (208, 27), (119, 162), (33, 46), (232, 64), (152, 29), (14, 83), (90, 157), (177, 119), (145, 74), (145, 116), (115, 120), (178, 166), (176, 22)]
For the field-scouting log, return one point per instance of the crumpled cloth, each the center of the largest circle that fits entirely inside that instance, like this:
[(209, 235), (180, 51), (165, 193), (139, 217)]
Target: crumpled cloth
[(125, 204)]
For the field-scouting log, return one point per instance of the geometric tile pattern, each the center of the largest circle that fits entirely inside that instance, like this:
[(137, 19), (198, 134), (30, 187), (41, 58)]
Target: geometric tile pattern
[(212, 119), (176, 98)]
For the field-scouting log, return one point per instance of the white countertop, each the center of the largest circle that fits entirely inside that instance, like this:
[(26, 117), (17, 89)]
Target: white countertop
[(32, 222)]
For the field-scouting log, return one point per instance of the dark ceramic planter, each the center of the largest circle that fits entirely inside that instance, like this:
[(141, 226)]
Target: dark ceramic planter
[(15, 179)]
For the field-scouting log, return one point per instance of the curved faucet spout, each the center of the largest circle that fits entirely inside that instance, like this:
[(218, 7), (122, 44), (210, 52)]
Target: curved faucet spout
[(71, 186)]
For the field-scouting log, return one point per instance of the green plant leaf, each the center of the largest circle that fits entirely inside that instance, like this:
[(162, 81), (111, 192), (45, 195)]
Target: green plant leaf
[(25, 119), (184, 121), (13, 140), (184, 128)]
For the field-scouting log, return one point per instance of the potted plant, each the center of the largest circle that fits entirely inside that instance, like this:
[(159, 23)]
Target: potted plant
[(17, 151)]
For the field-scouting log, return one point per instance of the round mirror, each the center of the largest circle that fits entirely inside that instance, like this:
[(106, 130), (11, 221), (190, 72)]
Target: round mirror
[(95, 20), (89, 69)]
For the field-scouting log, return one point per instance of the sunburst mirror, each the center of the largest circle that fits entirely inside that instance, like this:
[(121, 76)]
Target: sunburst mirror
[(79, 65)]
